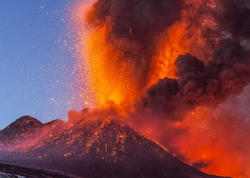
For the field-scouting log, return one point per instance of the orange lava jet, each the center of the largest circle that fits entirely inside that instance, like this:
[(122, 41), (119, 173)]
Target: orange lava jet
[(111, 78)]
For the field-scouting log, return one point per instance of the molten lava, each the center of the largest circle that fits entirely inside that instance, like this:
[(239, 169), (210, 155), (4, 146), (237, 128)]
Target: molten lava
[(111, 77)]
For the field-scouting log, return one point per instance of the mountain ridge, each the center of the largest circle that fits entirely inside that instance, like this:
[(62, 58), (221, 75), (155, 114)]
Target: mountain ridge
[(100, 148)]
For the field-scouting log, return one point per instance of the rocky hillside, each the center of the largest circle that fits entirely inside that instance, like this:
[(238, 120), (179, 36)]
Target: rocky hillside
[(95, 148)]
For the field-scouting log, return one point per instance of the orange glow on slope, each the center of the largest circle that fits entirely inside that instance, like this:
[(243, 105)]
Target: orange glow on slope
[(215, 143), (216, 140)]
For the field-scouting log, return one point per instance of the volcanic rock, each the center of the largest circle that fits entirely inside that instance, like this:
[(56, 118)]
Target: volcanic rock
[(22, 129), (101, 148)]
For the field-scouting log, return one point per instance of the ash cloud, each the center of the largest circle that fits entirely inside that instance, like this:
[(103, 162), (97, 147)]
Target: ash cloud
[(199, 84), (133, 28), (235, 17)]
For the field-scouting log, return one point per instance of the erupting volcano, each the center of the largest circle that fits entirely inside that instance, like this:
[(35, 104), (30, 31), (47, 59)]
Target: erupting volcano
[(173, 69), (168, 80)]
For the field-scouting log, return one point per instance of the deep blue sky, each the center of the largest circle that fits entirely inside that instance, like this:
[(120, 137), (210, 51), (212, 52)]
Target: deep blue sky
[(35, 64)]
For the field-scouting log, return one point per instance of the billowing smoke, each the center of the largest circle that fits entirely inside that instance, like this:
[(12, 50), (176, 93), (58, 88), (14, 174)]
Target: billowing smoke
[(199, 84), (235, 17)]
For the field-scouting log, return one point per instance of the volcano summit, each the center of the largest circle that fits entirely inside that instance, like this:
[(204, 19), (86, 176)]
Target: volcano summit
[(95, 148)]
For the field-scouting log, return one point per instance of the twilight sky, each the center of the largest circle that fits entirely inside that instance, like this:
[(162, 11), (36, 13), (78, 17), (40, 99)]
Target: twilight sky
[(35, 63)]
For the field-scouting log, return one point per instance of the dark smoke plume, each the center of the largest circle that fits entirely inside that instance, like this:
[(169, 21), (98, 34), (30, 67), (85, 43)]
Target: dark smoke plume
[(235, 17), (133, 28), (199, 84)]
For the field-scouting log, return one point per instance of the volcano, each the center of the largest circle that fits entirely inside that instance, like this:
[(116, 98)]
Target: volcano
[(89, 148)]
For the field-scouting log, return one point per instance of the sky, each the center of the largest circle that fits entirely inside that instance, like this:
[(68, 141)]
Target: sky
[(35, 63)]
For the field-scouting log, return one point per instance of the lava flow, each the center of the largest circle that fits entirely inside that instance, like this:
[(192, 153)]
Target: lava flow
[(172, 66)]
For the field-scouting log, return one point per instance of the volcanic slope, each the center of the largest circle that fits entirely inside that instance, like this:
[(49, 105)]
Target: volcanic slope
[(98, 148)]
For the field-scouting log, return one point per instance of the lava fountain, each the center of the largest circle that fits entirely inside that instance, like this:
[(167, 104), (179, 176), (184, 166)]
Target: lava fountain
[(127, 52)]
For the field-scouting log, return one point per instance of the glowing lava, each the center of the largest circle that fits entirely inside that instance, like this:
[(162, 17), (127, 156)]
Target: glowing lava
[(111, 77)]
